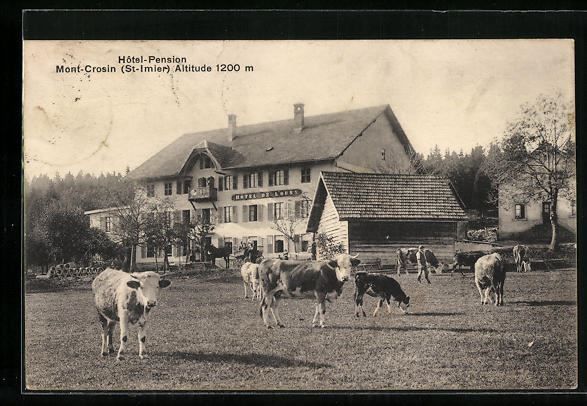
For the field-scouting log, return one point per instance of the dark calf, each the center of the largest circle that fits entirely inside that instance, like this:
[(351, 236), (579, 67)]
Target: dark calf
[(380, 286)]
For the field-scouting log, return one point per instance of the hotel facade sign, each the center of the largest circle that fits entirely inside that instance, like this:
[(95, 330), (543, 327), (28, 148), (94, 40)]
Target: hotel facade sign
[(264, 195)]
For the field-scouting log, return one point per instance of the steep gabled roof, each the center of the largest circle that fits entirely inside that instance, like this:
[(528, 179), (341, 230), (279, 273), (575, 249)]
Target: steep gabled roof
[(390, 197), (324, 137)]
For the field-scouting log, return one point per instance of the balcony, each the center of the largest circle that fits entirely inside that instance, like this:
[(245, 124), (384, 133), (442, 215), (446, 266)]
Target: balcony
[(203, 193)]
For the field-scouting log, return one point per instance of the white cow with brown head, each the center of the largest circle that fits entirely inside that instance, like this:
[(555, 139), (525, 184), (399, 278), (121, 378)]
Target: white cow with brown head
[(125, 298)]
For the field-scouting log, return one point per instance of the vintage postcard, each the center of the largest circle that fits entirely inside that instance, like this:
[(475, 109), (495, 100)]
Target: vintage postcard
[(306, 215)]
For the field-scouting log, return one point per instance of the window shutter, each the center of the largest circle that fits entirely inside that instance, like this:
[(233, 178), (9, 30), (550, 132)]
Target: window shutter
[(199, 215), (235, 182), (271, 178), (260, 179), (286, 176), (221, 184), (103, 223), (270, 212), (221, 218), (177, 216), (297, 209), (285, 213), (245, 213), (143, 251), (260, 212), (245, 181), (178, 187), (234, 214), (269, 244), (297, 242)]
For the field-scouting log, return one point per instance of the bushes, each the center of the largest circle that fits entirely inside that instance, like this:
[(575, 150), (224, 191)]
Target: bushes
[(327, 247)]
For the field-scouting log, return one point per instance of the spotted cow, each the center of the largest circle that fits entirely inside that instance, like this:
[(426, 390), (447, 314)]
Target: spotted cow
[(490, 277), (322, 279), (125, 298)]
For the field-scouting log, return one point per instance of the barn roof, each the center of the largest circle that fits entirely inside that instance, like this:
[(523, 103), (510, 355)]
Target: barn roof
[(374, 196), (323, 137)]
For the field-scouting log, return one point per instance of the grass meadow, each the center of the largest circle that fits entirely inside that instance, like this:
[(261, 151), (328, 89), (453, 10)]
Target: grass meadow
[(205, 336)]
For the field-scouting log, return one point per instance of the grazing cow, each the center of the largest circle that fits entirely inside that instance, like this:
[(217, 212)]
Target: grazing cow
[(382, 286), (407, 256), (324, 279), (123, 297), (521, 258), (490, 276), (250, 275), (222, 252), (466, 259)]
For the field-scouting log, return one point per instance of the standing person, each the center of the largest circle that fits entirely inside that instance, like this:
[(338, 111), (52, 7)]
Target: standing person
[(422, 264), (313, 250)]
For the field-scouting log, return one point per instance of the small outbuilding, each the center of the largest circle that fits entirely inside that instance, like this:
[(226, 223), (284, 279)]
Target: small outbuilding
[(375, 214)]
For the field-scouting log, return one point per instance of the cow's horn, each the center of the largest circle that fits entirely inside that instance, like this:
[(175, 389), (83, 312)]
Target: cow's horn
[(355, 256)]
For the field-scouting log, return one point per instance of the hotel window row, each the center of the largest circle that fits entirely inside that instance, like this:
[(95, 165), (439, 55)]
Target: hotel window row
[(256, 212), (278, 177)]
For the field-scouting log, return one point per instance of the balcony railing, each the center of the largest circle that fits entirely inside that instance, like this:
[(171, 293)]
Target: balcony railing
[(203, 193)]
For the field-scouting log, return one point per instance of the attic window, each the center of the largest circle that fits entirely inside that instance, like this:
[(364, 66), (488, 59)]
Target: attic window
[(269, 148)]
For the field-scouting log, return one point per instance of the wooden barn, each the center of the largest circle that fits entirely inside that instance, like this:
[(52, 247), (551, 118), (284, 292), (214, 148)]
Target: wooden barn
[(374, 214)]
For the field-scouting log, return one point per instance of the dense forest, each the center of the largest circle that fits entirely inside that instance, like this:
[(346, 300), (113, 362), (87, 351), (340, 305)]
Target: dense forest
[(58, 231)]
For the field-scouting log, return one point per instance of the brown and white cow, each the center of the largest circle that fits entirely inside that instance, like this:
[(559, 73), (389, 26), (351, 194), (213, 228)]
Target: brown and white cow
[(407, 256), (250, 275), (125, 298), (323, 279), (490, 276), (521, 258)]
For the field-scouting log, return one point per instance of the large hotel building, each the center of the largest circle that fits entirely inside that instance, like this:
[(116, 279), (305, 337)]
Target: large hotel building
[(243, 178)]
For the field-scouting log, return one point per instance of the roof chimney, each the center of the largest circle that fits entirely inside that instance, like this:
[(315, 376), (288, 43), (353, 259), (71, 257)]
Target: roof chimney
[(299, 116), (231, 127)]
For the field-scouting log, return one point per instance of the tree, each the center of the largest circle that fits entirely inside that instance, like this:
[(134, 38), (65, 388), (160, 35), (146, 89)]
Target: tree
[(536, 160), (289, 221), (198, 232), (159, 231), (66, 228), (130, 221), (327, 247)]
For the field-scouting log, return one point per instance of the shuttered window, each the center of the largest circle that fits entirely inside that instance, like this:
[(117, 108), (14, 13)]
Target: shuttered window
[(306, 175), (279, 177), (278, 211), (270, 212), (269, 244), (520, 211), (185, 216), (245, 181), (227, 182), (227, 215), (151, 190), (302, 208), (187, 185), (260, 179), (253, 212), (168, 188)]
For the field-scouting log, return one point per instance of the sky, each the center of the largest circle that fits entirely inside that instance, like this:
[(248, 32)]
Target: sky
[(453, 93)]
